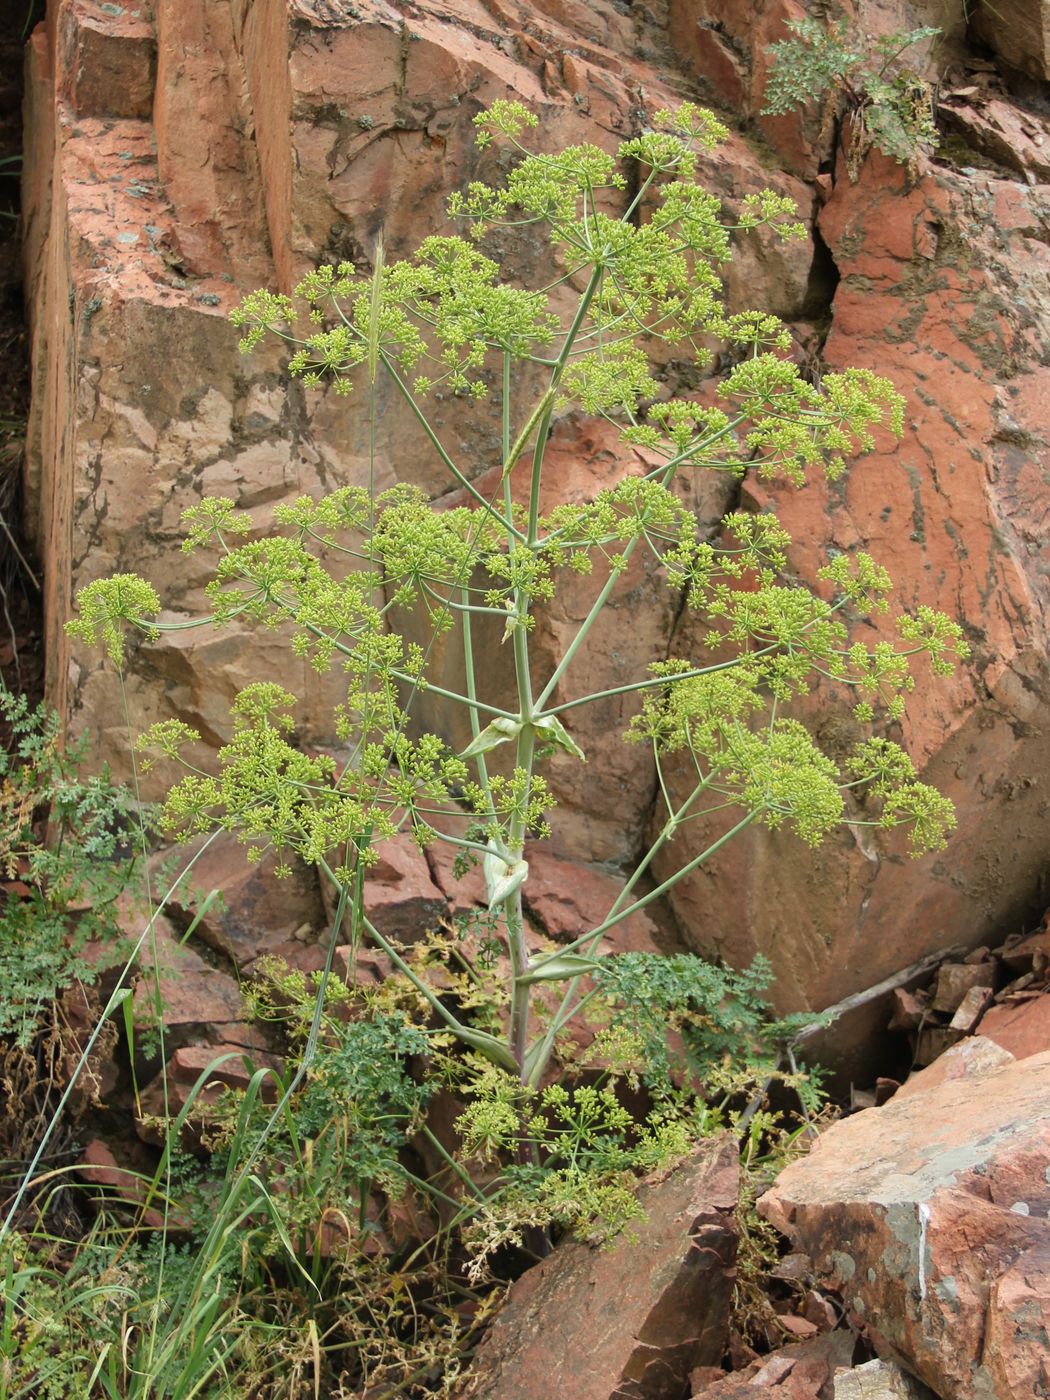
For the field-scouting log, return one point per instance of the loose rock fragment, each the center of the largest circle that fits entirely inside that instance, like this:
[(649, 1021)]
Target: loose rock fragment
[(632, 1321)]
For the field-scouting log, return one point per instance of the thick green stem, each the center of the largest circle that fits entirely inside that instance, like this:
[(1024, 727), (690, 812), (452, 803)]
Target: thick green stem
[(472, 696), (540, 415), (508, 495), (539, 1054), (521, 992)]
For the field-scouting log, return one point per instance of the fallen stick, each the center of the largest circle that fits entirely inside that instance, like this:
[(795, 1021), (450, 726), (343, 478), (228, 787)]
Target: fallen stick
[(888, 984)]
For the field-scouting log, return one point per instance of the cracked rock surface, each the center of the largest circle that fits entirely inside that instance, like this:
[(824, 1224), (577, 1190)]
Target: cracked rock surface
[(929, 1216)]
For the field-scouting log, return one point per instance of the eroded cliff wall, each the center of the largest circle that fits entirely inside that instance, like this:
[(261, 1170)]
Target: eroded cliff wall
[(181, 154)]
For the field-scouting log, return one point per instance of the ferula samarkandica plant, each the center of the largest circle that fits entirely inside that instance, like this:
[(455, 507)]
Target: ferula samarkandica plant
[(639, 248)]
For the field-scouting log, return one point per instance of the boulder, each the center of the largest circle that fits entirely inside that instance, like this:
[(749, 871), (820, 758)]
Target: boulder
[(464, 889), (195, 1001), (147, 405), (974, 1056), (879, 1380), (107, 59), (1028, 952), (724, 47), (207, 155), (629, 1322), (1003, 133), (400, 897), (929, 1216), (566, 898), (120, 1185)]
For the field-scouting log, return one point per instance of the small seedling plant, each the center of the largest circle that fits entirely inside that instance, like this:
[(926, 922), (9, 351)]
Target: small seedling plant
[(637, 249)]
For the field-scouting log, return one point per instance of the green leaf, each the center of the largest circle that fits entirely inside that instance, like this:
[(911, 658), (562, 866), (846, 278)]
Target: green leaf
[(500, 731), (560, 968), (503, 879), (498, 1051), (551, 731)]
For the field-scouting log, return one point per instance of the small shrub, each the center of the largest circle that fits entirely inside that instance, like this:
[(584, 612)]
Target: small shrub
[(67, 857)]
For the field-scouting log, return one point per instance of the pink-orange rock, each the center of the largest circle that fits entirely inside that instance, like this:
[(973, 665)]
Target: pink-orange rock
[(997, 129), (120, 1185), (943, 286), (1018, 30), (976, 1055), (1019, 1324), (629, 1322), (207, 157), (725, 48), (197, 1002), (879, 1380), (929, 1216), (1022, 1028), (802, 1371), (400, 897), (361, 967), (1028, 953), (954, 980), (79, 1011), (466, 889), (146, 406), (567, 898), (252, 913), (107, 56), (229, 1065)]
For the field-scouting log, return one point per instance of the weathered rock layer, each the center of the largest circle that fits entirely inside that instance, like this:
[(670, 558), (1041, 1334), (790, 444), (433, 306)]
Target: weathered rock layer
[(178, 156)]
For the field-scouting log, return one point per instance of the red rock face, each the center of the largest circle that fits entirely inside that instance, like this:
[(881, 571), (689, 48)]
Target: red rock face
[(1022, 1029), (278, 132), (943, 287)]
